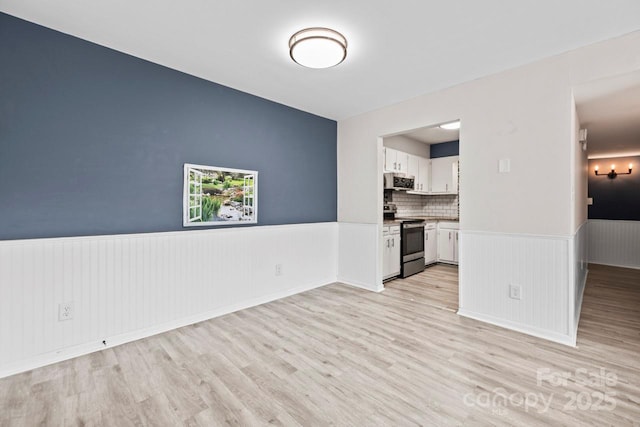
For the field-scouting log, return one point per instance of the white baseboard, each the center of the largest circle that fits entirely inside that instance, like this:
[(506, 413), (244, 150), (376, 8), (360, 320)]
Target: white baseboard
[(632, 267), (356, 284), (83, 349), (525, 329)]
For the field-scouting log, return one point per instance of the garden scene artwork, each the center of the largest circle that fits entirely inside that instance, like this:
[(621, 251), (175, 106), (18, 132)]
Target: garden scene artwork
[(219, 196)]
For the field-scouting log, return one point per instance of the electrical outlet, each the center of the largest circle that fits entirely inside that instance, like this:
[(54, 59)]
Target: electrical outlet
[(514, 291), (65, 311), (278, 269)]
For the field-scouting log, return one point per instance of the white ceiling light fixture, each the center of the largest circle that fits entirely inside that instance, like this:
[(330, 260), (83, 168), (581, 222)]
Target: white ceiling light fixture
[(318, 47), (451, 126)]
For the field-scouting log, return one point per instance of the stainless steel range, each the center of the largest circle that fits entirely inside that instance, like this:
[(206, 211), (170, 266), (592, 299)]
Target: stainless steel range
[(412, 237)]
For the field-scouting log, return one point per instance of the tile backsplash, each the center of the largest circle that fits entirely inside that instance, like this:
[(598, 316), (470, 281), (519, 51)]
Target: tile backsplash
[(440, 206)]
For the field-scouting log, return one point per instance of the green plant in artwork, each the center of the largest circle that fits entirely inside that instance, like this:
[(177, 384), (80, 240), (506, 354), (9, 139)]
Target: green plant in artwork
[(210, 208)]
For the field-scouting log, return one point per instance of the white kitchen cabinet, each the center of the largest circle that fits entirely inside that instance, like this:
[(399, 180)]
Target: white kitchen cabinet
[(395, 161), (419, 168), (430, 243), (444, 175), (413, 166), (448, 244), (391, 251), (424, 172)]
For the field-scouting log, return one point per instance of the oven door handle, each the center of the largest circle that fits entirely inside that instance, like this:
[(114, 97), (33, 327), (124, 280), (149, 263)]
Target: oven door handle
[(417, 225)]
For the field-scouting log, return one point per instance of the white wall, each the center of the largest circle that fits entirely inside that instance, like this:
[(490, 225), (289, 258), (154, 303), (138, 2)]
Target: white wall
[(615, 243), (523, 114), (408, 145), (490, 262), (579, 260), (580, 166), (129, 286), (359, 255)]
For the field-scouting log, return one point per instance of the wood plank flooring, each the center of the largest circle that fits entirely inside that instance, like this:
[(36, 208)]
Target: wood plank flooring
[(437, 286), (343, 356)]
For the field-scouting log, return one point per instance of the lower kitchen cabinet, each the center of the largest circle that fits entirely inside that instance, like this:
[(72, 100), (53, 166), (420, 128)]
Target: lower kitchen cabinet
[(448, 245), (391, 251), (430, 243)]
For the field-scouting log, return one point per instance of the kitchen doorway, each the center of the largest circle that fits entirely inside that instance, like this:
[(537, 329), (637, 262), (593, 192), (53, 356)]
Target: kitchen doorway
[(420, 172)]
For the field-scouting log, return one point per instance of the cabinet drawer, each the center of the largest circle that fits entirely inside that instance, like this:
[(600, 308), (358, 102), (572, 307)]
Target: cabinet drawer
[(449, 225)]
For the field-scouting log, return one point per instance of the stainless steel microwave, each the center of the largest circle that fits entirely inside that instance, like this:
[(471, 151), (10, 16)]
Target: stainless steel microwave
[(398, 181)]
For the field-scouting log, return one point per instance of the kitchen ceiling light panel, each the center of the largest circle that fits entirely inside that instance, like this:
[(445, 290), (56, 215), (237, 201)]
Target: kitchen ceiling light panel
[(318, 47), (451, 126)]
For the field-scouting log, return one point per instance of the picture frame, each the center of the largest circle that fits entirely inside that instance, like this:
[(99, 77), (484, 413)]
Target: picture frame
[(218, 196)]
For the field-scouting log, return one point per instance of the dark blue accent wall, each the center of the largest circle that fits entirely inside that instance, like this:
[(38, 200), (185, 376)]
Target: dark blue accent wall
[(93, 141), (445, 149), (618, 198)]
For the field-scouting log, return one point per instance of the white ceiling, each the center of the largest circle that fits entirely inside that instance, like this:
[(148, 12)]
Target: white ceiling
[(397, 50), (610, 111), (433, 135)]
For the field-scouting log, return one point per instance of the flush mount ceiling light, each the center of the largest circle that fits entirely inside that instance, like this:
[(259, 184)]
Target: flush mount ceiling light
[(451, 126), (318, 47)]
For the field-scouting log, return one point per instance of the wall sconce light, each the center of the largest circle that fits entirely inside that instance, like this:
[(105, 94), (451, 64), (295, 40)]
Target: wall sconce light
[(613, 172)]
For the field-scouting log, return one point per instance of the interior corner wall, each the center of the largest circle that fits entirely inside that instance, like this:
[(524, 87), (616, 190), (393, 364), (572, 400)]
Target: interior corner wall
[(579, 187), (615, 199), (579, 257), (526, 216), (93, 141), (614, 216), (92, 147)]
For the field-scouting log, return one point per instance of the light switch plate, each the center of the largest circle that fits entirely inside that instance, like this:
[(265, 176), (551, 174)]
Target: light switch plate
[(504, 165), (514, 292)]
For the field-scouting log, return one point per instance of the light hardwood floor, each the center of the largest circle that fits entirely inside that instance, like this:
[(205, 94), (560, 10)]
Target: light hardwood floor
[(437, 286), (343, 356)]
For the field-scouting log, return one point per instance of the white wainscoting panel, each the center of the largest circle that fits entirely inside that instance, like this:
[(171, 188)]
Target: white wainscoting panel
[(540, 265), (360, 257), (615, 243), (126, 287), (580, 262)]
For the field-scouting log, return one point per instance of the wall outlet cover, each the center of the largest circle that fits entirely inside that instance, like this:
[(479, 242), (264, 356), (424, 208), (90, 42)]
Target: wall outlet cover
[(514, 292), (65, 311)]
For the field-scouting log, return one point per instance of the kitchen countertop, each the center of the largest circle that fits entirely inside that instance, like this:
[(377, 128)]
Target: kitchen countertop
[(391, 222), (424, 218), (432, 218)]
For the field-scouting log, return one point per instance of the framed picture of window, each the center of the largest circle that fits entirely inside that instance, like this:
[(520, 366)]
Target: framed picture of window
[(219, 196)]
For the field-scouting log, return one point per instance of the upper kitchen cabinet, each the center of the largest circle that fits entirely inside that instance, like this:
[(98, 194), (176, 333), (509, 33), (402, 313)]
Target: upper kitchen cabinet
[(413, 166), (422, 180), (420, 170), (395, 161), (444, 175)]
